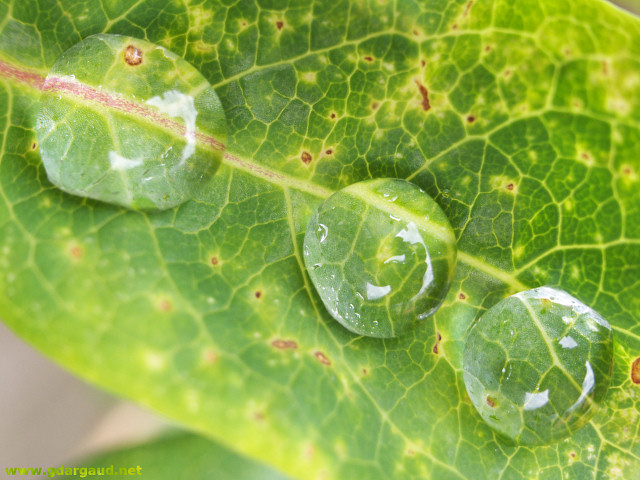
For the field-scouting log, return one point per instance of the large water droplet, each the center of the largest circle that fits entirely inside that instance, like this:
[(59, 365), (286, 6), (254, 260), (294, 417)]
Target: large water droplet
[(127, 122), (381, 254), (537, 365)]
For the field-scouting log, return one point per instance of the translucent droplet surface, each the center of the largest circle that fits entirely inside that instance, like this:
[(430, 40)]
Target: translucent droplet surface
[(127, 122), (537, 365), (381, 254)]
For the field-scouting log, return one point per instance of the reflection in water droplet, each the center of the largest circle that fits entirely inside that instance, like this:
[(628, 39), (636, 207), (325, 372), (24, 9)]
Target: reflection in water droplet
[(555, 382), (568, 342), (176, 104), (535, 400), (324, 231), (118, 162), (374, 292), (108, 120), (393, 274), (396, 259), (587, 385)]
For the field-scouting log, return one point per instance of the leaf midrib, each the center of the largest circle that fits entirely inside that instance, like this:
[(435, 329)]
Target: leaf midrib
[(285, 181)]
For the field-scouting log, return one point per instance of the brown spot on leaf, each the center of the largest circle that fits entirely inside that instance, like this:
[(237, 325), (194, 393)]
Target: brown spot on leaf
[(437, 345), (322, 358), (368, 59), (415, 32), (585, 156), (471, 119), (487, 48), (333, 115), (279, 24), (491, 402), (468, 7), (627, 171), (375, 105), (454, 26), (214, 261), (507, 73), (425, 96), (34, 145), (462, 296), (411, 453), (329, 152), (284, 344), (365, 372), (76, 252), (306, 158), (309, 452), (210, 357), (133, 55), (510, 186), (258, 294), (635, 371), (605, 67), (165, 305), (258, 416), (423, 62), (573, 454)]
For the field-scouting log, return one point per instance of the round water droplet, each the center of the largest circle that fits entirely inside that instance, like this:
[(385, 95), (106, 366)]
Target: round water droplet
[(546, 380), (381, 252), (127, 122)]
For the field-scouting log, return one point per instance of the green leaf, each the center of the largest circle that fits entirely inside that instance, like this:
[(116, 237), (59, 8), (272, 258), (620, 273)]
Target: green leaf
[(521, 120), (177, 456)]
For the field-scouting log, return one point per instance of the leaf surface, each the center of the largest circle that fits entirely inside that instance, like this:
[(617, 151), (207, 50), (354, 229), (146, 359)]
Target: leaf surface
[(519, 118)]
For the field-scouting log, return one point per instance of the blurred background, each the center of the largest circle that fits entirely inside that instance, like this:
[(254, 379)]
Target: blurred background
[(49, 417)]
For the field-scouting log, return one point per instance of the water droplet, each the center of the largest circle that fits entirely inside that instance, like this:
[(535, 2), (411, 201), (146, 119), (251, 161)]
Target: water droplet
[(112, 110), (559, 365), (390, 275)]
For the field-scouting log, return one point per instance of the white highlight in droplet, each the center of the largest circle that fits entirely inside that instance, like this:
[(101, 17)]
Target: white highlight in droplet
[(325, 232), (411, 235), (176, 104), (587, 385), (568, 342), (535, 400), (120, 163), (396, 259), (374, 292)]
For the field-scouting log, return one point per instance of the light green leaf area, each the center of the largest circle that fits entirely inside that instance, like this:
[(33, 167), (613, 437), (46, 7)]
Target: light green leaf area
[(177, 456), (520, 118)]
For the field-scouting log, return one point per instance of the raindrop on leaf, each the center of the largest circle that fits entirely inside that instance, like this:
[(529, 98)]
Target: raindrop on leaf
[(381, 254), (537, 365), (127, 122)]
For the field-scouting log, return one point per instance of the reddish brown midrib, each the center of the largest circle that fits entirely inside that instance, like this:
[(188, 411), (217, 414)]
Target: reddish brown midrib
[(71, 87), (114, 102), (32, 79)]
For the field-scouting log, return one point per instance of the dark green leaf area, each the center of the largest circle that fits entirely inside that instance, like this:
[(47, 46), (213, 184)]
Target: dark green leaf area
[(381, 254), (127, 122), (538, 365)]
